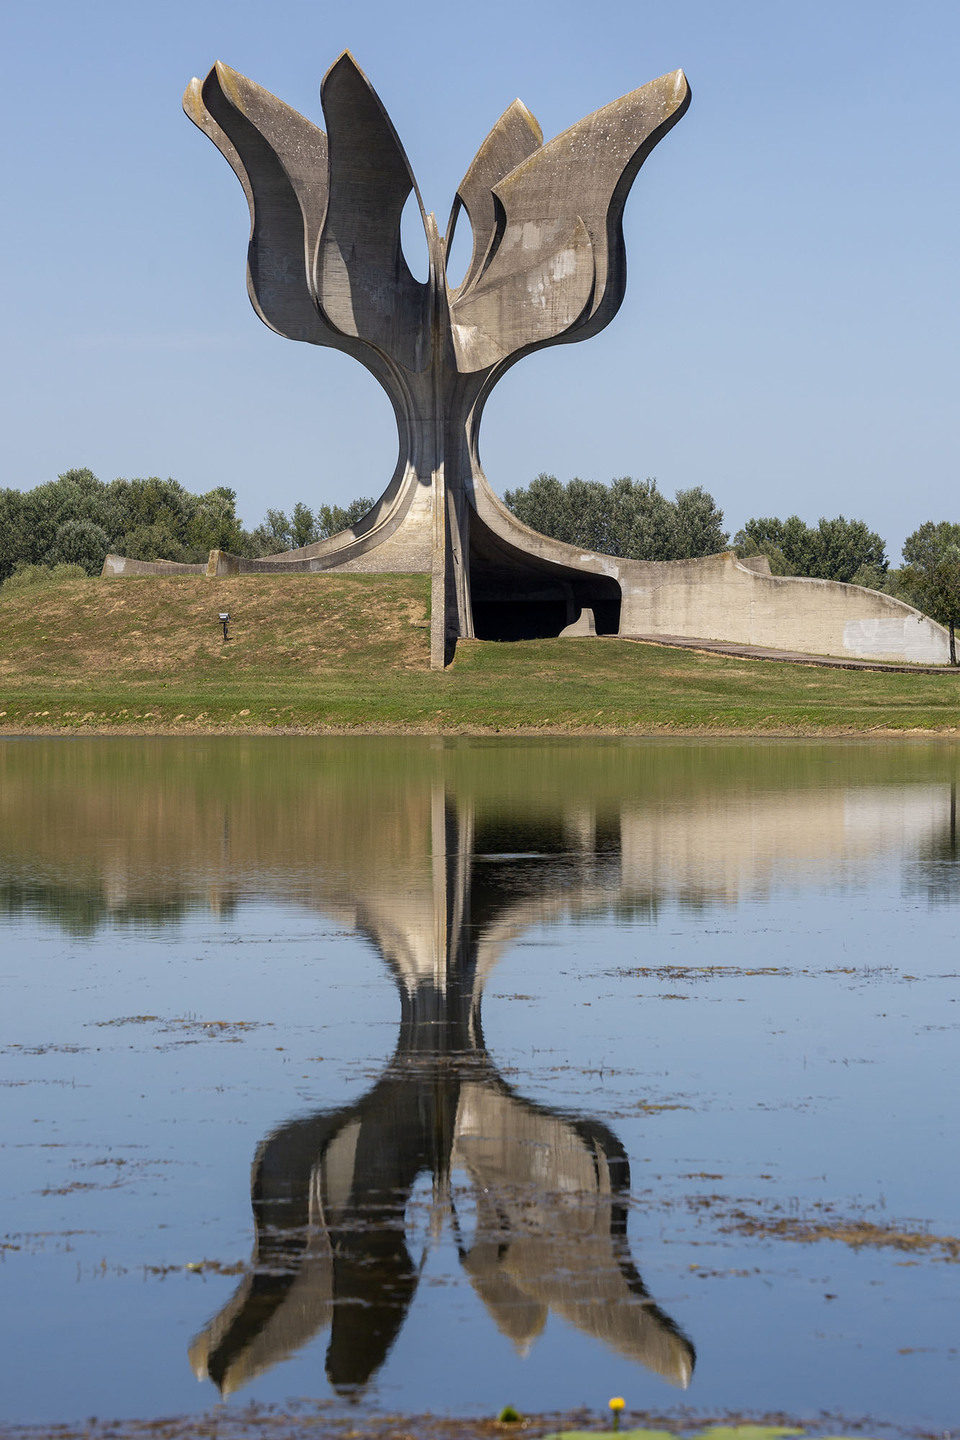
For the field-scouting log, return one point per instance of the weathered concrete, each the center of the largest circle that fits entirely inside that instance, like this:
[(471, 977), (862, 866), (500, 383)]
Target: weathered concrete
[(120, 565), (585, 625), (325, 265), (787, 657), (719, 598)]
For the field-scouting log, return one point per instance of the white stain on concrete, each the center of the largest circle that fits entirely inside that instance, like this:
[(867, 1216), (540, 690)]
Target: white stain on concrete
[(910, 637)]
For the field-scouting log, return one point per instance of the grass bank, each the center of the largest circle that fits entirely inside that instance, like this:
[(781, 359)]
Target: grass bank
[(336, 652)]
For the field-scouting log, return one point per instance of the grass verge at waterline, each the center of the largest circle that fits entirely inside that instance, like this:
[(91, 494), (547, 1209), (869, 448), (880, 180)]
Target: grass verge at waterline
[(322, 653)]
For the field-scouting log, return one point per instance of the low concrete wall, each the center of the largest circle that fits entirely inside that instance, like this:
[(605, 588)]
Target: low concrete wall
[(716, 598), (120, 565), (722, 598)]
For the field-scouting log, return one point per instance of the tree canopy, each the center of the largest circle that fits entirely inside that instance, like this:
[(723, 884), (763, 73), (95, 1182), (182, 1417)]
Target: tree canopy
[(277, 532), (838, 549), (630, 518), (78, 519), (931, 575)]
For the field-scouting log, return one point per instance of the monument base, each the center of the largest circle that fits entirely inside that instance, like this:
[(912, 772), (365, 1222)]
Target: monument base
[(553, 589)]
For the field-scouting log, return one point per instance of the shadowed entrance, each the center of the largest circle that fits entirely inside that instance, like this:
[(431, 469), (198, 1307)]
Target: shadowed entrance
[(516, 595)]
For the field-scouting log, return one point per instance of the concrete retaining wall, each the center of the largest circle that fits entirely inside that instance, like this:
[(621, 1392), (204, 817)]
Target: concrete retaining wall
[(717, 598), (722, 598), (120, 565)]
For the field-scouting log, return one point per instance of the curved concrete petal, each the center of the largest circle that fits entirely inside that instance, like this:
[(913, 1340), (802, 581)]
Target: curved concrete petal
[(515, 136), (281, 161), (364, 284), (588, 170), (533, 291)]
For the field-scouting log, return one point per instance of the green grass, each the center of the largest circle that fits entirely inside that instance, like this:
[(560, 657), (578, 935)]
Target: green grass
[(352, 652)]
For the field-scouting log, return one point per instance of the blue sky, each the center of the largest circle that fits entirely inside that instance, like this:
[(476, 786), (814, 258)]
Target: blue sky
[(789, 335)]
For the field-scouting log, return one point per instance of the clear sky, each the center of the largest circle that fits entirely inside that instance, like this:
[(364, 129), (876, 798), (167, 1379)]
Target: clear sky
[(789, 335)]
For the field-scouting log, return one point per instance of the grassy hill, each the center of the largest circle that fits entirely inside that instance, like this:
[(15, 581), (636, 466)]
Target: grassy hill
[(321, 652)]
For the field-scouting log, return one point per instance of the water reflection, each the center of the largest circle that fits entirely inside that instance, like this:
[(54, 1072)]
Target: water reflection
[(442, 854), (536, 1199), (144, 833), (936, 874)]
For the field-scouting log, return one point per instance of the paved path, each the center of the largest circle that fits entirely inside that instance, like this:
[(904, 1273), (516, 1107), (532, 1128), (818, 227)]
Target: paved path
[(793, 657)]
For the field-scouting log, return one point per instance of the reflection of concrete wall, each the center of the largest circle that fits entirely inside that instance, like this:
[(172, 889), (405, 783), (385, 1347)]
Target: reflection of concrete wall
[(721, 599), (379, 838), (721, 850)]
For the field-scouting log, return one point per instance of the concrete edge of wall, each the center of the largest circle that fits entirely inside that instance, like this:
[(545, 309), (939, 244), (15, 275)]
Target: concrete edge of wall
[(723, 598), (120, 565), (717, 597)]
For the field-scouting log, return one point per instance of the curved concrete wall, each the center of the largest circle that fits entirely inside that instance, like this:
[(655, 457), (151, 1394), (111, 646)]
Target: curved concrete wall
[(120, 565), (722, 598), (716, 598)]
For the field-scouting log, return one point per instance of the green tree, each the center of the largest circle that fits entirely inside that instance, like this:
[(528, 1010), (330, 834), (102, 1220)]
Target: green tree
[(833, 550), (699, 525), (331, 519), (871, 577), (931, 575), (30, 520), (630, 518), (14, 540), (746, 547), (158, 541), (303, 526), (80, 542), (276, 532), (272, 535), (147, 519), (214, 524), (542, 506)]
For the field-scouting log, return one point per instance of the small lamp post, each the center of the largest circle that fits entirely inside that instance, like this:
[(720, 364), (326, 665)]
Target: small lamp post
[(225, 621)]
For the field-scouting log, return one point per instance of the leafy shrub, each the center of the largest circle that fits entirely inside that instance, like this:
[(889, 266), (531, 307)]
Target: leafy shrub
[(833, 550), (80, 542), (26, 577)]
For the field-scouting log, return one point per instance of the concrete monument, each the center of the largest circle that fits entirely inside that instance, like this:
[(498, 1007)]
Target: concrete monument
[(548, 1190), (326, 266)]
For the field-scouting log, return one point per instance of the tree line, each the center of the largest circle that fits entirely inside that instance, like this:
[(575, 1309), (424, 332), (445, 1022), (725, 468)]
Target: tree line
[(634, 519), (629, 517), (76, 520)]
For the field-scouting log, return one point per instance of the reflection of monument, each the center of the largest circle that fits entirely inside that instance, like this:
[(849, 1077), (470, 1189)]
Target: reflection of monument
[(326, 266), (128, 834), (547, 1192)]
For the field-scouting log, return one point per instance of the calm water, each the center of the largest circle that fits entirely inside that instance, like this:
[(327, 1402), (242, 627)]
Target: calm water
[(441, 1075)]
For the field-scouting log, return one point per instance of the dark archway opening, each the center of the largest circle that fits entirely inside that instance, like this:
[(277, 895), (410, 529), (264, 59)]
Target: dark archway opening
[(518, 618), (518, 596)]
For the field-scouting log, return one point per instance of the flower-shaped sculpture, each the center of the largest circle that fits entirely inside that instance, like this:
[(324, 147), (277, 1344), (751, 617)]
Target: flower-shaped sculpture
[(548, 1192), (535, 1199), (325, 265)]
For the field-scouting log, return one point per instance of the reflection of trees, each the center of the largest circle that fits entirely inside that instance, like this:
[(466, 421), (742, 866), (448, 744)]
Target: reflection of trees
[(141, 830), (936, 872), (442, 854), (82, 911), (536, 1199)]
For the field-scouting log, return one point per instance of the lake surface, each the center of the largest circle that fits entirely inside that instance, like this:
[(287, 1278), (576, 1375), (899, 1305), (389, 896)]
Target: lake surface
[(445, 1074)]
